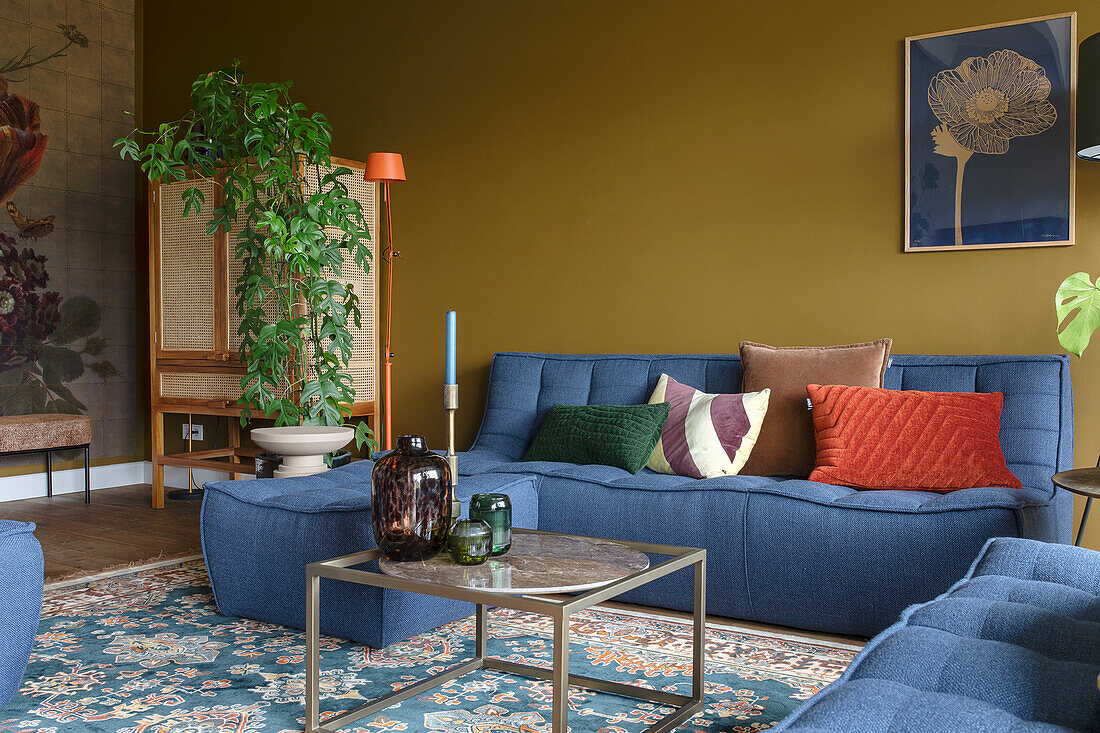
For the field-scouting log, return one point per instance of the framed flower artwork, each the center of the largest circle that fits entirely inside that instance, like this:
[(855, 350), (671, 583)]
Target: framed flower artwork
[(989, 127)]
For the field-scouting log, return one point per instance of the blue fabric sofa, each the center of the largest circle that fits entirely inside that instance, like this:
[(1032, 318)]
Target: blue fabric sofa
[(1013, 646), (783, 551), (20, 602)]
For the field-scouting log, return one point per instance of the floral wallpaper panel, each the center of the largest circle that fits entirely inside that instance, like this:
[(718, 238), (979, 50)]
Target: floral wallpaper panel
[(67, 306)]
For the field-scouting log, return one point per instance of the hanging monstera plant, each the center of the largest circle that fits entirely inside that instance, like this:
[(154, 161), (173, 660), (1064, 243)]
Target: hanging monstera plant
[(1077, 304)]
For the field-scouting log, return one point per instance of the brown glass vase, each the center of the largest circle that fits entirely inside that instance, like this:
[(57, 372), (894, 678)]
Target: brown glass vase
[(410, 501)]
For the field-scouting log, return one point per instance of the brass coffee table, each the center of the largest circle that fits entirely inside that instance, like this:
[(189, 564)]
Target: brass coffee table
[(538, 563)]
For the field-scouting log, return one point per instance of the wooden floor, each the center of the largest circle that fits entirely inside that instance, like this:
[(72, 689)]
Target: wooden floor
[(117, 528), (120, 528)]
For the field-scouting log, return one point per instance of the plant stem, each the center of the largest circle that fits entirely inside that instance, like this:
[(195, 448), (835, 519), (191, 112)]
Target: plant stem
[(22, 63), (960, 168)]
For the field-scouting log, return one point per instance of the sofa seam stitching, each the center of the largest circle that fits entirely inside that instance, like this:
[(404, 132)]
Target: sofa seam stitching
[(745, 554)]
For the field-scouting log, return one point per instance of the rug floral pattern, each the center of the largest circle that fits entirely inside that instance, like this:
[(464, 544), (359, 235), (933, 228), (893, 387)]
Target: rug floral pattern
[(148, 652)]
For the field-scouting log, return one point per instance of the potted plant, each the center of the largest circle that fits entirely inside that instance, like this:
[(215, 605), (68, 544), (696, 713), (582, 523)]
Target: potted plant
[(259, 145)]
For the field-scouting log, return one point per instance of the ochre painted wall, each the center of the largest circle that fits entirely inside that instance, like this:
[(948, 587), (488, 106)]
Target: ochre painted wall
[(641, 176)]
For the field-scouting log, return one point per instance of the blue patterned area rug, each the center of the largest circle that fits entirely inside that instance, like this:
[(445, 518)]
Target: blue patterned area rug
[(147, 652)]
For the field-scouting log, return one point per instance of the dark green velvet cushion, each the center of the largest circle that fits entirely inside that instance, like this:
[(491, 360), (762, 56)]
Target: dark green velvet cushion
[(610, 435)]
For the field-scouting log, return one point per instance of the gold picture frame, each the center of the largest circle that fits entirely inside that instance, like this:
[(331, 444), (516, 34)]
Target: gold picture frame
[(1001, 100)]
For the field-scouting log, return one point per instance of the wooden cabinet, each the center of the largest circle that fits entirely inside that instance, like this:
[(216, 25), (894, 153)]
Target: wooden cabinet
[(193, 321)]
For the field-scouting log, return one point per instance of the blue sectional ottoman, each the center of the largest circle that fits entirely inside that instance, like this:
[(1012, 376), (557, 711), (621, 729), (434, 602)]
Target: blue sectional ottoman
[(1013, 646), (258, 537), (20, 602)]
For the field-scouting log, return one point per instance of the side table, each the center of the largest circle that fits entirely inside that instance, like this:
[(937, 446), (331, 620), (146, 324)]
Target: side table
[(1082, 481)]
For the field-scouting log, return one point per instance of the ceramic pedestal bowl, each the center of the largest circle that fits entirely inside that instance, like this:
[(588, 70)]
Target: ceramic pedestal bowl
[(303, 447)]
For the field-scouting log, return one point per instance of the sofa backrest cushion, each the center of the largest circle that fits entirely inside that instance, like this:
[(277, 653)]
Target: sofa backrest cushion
[(1036, 422)]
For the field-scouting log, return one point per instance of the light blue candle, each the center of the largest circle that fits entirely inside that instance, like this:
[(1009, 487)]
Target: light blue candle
[(452, 346)]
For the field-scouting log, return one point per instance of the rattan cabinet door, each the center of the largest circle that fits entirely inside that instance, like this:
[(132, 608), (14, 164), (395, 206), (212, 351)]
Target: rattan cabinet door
[(363, 365), (187, 273)]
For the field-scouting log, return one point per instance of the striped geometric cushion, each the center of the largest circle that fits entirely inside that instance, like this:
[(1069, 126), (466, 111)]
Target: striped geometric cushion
[(706, 435)]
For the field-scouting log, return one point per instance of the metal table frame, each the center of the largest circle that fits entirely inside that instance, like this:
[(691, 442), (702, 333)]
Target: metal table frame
[(341, 568)]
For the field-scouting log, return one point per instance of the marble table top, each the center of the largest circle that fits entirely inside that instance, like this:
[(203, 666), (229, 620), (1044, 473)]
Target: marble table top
[(536, 563)]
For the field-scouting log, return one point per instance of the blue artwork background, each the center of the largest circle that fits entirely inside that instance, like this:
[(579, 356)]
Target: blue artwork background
[(1022, 196)]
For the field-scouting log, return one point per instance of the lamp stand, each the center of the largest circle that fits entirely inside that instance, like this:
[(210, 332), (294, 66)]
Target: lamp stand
[(389, 256), (450, 406)]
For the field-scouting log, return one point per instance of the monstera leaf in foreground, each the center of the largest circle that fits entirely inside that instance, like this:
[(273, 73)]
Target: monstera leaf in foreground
[(1080, 296)]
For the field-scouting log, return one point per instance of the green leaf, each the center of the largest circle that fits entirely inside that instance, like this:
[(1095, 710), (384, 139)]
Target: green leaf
[(29, 399), (1077, 295), (80, 317), (364, 435), (10, 379), (59, 365)]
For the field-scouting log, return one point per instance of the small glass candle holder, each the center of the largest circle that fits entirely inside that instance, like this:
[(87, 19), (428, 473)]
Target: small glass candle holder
[(470, 541), (496, 511)]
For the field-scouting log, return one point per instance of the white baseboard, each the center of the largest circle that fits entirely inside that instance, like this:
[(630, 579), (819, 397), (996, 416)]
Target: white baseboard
[(71, 480)]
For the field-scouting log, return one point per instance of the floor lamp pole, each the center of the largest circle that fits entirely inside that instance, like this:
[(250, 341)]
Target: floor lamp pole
[(383, 168), (387, 406)]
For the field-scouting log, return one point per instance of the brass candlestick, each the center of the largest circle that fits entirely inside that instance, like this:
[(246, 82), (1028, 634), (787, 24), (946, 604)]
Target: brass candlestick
[(450, 406)]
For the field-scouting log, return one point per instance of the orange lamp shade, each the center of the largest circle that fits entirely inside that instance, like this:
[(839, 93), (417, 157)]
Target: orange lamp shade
[(384, 167)]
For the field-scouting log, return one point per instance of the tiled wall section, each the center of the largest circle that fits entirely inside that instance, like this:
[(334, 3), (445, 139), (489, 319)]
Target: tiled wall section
[(84, 98)]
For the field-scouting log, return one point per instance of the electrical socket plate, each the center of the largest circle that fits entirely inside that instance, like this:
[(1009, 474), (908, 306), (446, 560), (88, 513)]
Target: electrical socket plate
[(193, 431)]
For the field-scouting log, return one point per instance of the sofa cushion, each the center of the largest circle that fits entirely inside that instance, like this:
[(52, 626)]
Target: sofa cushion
[(786, 443), (706, 434), (1014, 645), (611, 435), (331, 491), (871, 438), (908, 502)]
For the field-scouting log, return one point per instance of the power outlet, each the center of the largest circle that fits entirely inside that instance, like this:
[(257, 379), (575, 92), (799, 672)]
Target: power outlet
[(192, 431)]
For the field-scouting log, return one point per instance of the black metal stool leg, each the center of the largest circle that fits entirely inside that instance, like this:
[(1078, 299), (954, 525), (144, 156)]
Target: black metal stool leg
[(49, 473), (87, 479)]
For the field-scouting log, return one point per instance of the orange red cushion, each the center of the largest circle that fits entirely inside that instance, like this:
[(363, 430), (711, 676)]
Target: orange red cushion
[(870, 438)]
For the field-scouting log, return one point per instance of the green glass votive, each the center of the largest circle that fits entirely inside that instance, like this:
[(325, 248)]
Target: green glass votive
[(496, 511), (469, 541)]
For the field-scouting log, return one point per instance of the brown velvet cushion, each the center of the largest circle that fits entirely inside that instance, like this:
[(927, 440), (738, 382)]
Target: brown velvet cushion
[(786, 443), (38, 432)]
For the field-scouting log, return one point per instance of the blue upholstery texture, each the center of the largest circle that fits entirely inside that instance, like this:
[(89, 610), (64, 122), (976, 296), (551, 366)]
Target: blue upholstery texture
[(1013, 646), (258, 537), (791, 552), (21, 578), (781, 550)]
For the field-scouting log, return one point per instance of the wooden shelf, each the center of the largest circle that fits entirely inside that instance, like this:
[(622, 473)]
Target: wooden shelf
[(208, 459)]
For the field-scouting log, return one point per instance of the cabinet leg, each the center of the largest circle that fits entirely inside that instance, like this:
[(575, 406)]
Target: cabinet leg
[(158, 451), (158, 485), (234, 443)]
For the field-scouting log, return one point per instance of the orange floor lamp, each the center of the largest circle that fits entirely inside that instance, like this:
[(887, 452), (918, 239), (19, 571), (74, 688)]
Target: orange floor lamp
[(384, 168)]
